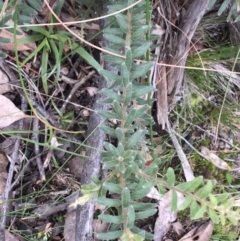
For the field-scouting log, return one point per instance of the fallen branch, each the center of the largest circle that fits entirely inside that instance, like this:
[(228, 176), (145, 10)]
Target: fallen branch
[(84, 218)]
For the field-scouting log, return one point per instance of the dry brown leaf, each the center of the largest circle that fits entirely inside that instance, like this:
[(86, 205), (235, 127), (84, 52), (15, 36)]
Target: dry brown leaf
[(92, 90), (178, 228), (214, 159), (76, 166), (165, 215), (4, 83), (10, 46), (201, 233), (10, 237), (9, 112), (45, 10), (99, 227)]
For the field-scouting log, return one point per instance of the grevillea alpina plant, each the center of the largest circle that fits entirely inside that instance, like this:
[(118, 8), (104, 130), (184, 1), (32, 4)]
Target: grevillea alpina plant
[(130, 175)]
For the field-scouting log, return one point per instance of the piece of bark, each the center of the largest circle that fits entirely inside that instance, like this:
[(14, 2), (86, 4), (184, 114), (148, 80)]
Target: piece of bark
[(176, 43), (84, 218), (234, 33)]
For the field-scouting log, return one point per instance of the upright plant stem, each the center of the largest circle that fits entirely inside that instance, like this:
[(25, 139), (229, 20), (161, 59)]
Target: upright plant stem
[(148, 18)]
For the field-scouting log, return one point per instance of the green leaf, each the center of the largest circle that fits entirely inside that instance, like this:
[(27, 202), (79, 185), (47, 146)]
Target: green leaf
[(130, 118), (129, 160), (122, 22), (113, 59), (82, 200), (170, 176), (5, 19), (41, 30), (146, 235), (194, 207), (222, 197), (142, 110), (110, 164), (118, 109), (129, 59), (44, 69), (126, 198), (130, 216), (58, 7), (233, 220), (205, 190), (140, 194), (110, 218), (129, 153), (106, 101), (109, 202), (212, 214), (2, 55), (114, 39), (112, 187), (4, 40), (116, 84), (36, 4), (111, 148), (89, 188), (143, 206), (213, 199), (174, 201), (143, 91), (128, 95), (223, 7), (192, 185), (142, 30), (116, 31), (148, 185), (145, 214), (109, 235), (110, 75), (121, 148), (125, 74), (107, 114), (134, 139), (108, 130), (129, 170), (140, 51), (185, 203), (121, 167), (200, 212), (120, 134), (222, 220), (152, 170), (141, 70), (57, 67), (26, 9), (232, 9), (31, 39), (85, 55), (111, 94), (211, 4)]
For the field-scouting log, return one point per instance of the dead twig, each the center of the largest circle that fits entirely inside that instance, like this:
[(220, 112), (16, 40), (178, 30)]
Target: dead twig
[(75, 88), (184, 161), (35, 138), (7, 192)]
